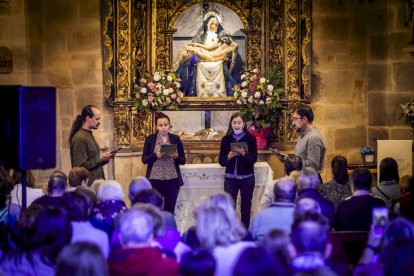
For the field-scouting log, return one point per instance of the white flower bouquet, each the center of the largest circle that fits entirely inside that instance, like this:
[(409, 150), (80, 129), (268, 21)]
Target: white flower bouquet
[(257, 97), (159, 91)]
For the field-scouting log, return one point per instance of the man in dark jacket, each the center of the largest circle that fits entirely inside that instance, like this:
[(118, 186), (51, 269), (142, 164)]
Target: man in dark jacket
[(84, 150), (355, 213)]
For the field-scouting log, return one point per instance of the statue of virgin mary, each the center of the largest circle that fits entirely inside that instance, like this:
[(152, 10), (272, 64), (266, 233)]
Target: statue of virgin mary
[(211, 78)]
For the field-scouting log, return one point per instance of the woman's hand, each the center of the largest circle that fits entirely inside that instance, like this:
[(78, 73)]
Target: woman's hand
[(239, 150), (158, 153), (173, 154), (231, 155)]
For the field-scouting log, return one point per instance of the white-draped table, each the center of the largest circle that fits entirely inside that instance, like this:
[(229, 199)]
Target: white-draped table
[(203, 180)]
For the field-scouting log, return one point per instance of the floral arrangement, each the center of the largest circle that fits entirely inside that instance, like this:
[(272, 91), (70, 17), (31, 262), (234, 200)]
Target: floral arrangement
[(262, 134), (407, 113), (367, 150), (158, 91), (257, 97)]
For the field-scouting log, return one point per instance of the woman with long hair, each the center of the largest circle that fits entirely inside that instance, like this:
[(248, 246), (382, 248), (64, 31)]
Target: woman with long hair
[(338, 188), (239, 162), (218, 233), (389, 177), (32, 193)]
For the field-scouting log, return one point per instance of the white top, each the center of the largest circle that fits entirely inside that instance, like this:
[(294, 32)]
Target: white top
[(227, 256), (211, 38), (31, 195), (83, 231)]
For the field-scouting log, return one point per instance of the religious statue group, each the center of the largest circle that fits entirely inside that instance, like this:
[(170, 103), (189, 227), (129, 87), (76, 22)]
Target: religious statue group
[(210, 65)]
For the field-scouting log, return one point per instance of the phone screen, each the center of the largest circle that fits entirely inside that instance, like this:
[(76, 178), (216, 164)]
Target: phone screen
[(379, 219)]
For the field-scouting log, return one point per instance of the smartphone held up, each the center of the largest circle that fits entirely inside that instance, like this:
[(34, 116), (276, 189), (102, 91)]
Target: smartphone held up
[(379, 219)]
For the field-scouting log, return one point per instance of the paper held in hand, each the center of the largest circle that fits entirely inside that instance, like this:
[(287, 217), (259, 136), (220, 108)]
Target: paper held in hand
[(168, 148), (240, 145)]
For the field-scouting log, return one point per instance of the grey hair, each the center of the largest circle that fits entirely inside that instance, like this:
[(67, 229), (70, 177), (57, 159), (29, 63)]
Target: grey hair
[(110, 190), (285, 189), (155, 213), (137, 185), (136, 227), (306, 205), (308, 178)]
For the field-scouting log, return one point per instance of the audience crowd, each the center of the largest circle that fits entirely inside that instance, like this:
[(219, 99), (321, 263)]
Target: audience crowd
[(82, 228)]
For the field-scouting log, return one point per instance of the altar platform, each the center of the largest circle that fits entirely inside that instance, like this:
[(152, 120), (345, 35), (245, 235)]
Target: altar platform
[(203, 180)]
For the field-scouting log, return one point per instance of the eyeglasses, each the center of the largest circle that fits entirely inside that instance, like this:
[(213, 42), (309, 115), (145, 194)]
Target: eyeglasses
[(296, 118)]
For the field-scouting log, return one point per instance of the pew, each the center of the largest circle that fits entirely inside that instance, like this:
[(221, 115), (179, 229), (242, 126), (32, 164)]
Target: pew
[(352, 242)]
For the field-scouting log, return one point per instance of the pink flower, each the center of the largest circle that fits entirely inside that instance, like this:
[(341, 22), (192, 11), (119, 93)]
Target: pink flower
[(173, 96), (266, 132), (252, 86), (268, 100), (153, 89), (150, 99)]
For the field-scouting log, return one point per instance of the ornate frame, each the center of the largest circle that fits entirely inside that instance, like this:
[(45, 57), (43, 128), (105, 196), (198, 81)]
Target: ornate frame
[(137, 36)]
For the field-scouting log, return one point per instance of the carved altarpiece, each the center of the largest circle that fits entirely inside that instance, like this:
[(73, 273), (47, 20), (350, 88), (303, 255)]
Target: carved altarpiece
[(137, 37)]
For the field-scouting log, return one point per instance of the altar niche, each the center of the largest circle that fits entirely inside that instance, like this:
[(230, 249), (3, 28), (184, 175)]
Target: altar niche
[(202, 126), (208, 50), (145, 36)]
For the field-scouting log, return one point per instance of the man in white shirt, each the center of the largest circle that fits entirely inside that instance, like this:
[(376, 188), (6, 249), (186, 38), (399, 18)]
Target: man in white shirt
[(279, 214)]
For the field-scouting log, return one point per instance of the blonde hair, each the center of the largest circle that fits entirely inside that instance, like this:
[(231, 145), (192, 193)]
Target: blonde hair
[(217, 222), (213, 227), (225, 202), (96, 184)]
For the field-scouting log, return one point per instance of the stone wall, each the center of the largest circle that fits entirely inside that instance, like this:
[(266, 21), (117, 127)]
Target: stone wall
[(361, 73), (58, 43), (13, 36)]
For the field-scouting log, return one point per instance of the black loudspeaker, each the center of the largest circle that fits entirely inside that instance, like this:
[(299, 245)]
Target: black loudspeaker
[(28, 127)]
